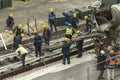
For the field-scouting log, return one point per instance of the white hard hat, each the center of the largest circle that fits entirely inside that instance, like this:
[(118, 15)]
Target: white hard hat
[(102, 52)]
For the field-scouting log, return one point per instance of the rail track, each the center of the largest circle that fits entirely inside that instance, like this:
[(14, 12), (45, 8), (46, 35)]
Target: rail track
[(12, 64), (14, 69), (32, 59), (13, 60)]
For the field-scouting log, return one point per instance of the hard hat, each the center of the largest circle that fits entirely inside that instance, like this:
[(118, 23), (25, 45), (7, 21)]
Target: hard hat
[(66, 39), (20, 26), (86, 17), (35, 31), (112, 51), (102, 52), (74, 15), (11, 15), (51, 10), (19, 45), (44, 26), (22, 35)]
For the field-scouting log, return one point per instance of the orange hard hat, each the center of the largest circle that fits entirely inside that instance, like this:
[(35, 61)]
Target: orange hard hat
[(112, 51)]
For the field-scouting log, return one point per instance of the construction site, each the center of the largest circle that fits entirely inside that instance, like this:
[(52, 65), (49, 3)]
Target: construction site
[(60, 40)]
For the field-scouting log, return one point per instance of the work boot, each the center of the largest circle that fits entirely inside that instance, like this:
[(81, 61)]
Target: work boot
[(63, 63), (77, 56), (68, 62), (36, 55)]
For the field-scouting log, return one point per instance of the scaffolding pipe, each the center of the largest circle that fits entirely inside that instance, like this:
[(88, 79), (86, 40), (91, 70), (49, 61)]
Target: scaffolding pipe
[(3, 41)]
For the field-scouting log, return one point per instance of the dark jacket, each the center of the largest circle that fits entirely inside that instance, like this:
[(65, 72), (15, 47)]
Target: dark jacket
[(37, 40), (18, 31), (52, 17), (9, 22), (17, 41), (74, 22), (47, 34), (101, 58), (89, 21), (66, 48)]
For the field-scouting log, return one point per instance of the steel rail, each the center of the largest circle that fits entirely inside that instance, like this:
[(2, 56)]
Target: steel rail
[(32, 59), (38, 64)]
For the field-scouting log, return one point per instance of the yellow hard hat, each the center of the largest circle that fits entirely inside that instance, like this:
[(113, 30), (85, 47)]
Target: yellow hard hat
[(74, 15), (22, 35), (44, 26), (35, 31), (19, 45), (86, 17), (66, 39), (20, 26), (51, 10), (11, 15)]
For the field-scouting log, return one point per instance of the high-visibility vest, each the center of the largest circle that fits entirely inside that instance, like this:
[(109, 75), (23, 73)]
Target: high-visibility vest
[(69, 31), (112, 62)]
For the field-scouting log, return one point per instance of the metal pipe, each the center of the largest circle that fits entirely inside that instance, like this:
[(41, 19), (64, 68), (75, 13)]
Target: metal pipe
[(3, 41)]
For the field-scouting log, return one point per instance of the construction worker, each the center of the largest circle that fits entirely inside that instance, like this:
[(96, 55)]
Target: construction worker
[(18, 40), (10, 21), (21, 53), (52, 19), (101, 63), (79, 46), (74, 21), (97, 46), (66, 50), (111, 64), (18, 30), (69, 32), (46, 34), (37, 43), (88, 24)]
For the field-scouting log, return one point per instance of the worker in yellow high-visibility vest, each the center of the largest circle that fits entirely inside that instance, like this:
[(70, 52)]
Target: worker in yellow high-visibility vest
[(69, 32)]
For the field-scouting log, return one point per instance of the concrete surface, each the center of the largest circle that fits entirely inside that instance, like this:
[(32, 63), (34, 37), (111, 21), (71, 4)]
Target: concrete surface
[(59, 70), (77, 70)]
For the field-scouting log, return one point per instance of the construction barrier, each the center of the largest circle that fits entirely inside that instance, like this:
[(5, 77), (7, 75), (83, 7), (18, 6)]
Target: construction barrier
[(5, 3)]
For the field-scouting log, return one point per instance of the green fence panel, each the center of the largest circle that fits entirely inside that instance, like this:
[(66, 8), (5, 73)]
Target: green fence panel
[(3, 3), (8, 3), (0, 4)]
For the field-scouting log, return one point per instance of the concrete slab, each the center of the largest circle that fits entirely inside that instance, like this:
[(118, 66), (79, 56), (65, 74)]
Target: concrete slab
[(58, 71)]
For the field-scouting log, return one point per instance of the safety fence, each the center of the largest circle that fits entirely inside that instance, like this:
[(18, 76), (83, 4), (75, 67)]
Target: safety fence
[(87, 71)]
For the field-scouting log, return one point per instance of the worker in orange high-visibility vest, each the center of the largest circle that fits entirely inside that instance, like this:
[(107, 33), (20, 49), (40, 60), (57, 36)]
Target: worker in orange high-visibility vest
[(111, 64)]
